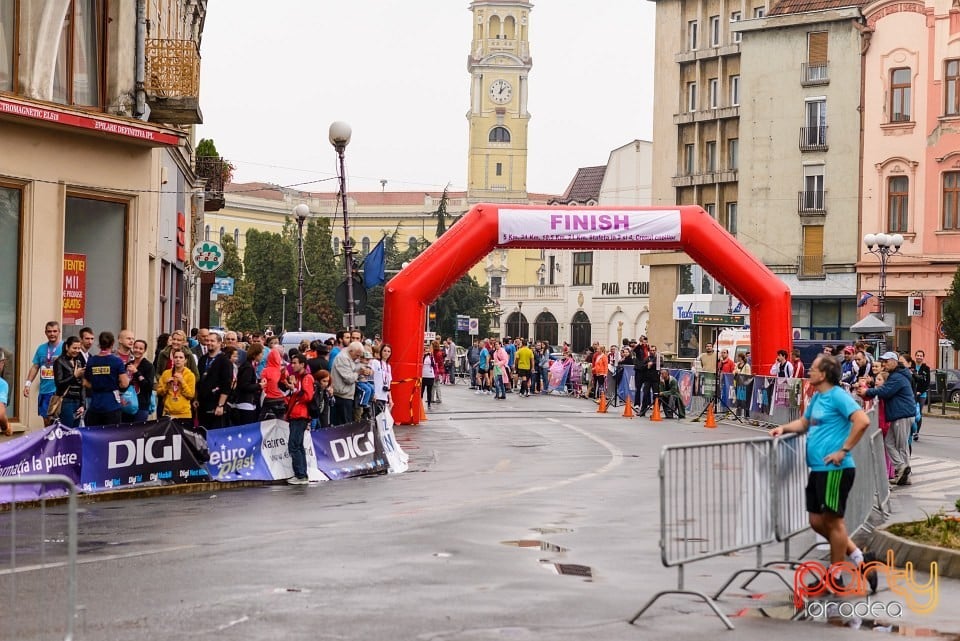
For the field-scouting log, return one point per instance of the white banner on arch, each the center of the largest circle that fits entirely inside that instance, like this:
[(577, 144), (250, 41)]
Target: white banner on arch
[(593, 225)]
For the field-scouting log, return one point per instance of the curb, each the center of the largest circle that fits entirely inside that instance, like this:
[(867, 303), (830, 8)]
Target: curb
[(920, 555)]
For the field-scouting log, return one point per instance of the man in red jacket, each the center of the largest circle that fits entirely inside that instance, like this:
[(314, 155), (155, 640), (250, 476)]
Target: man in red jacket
[(300, 384)]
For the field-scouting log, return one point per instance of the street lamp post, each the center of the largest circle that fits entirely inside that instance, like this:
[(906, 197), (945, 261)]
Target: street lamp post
[(519, 319), (883, 246), (283, 317), (339, 135), (301, 212)]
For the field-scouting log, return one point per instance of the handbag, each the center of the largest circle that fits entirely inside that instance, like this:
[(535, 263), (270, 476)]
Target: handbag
[(54, 406), (129, 403)]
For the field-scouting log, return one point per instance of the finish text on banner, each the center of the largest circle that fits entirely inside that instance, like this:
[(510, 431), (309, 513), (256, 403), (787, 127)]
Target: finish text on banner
[(155, 453), (54, 450), (595, 225)]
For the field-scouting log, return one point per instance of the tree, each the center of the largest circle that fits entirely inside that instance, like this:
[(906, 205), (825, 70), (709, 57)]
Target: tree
[(236, 311), (269, 265), (322, 275), (441, 212), (951, 312), (231, 267)]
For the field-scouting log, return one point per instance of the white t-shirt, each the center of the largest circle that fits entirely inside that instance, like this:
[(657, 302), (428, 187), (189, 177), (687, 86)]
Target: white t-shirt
[(382, 376), (427, 371)]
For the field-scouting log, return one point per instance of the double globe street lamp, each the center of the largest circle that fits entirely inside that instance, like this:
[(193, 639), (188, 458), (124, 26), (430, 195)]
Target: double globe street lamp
[(339, 136), (883, 246)]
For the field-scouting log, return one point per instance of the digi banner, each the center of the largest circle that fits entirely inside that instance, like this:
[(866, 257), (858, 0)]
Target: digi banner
[(348, 450), (152, 453), (53, 450), (594, 225), (256, 452)]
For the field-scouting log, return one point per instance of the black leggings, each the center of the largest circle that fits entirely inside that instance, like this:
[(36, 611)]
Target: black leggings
[(428, 390)]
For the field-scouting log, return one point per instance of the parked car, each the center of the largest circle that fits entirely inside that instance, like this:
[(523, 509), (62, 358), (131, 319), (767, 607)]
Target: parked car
[(292, 339), (953, 387)]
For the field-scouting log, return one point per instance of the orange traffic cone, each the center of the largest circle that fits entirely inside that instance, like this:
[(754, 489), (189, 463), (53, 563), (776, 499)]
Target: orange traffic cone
[(711, 419), (602, 409), (423, 411), (628, 409), (656, 411)]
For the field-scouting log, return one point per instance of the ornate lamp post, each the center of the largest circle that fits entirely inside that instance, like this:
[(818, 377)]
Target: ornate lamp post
[(340, 133), (301, 212), (883, 246)]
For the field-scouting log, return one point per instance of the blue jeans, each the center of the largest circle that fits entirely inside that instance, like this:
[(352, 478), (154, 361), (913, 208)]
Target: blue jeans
[(343, 411), (68, 408), (298, 455), (498, 387)]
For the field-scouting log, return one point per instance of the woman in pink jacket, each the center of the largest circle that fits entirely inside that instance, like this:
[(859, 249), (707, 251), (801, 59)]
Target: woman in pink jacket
[(501, 370)]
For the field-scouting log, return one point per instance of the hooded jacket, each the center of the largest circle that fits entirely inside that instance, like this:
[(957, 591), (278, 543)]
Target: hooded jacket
[(272, 374)]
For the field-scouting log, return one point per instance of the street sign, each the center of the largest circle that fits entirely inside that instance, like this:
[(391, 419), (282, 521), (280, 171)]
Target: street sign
[(719, 320), (223, 286), (359, 320), (359, 296), (429, 336), (474, 326), (208, 256), (463, 323)]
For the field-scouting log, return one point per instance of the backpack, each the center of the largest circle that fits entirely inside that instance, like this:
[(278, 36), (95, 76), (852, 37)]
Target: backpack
[(315, 406)]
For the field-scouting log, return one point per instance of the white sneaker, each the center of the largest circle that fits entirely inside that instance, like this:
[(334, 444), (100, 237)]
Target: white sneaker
[(293, 480)]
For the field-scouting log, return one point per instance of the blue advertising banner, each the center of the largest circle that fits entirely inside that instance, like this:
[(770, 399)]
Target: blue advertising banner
[(628, 384), (152, 453), (348, 450), (256, 452), (53, 450)]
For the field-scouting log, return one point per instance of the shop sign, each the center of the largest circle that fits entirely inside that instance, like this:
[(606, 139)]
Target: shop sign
[(208, 256), (74, 288)]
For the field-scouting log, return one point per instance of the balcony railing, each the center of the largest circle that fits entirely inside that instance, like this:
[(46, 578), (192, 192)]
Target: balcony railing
[(812, 202), (815, 74), (216, 171), (532, 292), (813, 138), (810, 266), (172, 81)]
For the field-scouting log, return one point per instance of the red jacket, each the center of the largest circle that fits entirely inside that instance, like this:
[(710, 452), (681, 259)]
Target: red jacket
[(299, 399), (272, 374)]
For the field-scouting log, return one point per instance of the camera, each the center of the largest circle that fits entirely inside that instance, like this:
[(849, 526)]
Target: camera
[(385, 388)]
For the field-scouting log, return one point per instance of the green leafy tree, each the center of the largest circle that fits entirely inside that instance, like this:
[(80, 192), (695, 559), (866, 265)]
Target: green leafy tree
[(321, 277), (269, 266), (951, 312), (231, 306)]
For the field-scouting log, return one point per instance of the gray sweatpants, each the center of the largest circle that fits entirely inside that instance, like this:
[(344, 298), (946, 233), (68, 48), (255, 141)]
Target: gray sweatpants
[(896, 442)]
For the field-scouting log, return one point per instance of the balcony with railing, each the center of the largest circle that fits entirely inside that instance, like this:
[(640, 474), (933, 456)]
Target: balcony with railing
[(813, 138), (172, 81), (815, 74), (810, 266), (531, 292), (217, 172), (812, 202)]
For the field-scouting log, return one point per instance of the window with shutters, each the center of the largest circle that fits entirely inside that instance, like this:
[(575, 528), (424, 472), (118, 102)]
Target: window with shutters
[(815, 69), (897, 200), (900, 94), (811, 262), (951, 88)]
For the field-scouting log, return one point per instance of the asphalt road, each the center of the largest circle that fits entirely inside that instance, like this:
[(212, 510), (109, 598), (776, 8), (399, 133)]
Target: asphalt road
[(519, 519)]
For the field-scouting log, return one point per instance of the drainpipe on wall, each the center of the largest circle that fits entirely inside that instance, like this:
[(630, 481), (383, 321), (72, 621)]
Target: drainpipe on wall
[(865, 35), (142, 111)]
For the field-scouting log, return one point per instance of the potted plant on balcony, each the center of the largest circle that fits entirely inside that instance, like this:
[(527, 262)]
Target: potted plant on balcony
[(218, 171)]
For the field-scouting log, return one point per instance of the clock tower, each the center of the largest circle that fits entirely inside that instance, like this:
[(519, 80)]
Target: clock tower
[(499, 63)]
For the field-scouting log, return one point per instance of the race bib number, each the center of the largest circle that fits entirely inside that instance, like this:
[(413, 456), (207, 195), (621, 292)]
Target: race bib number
[(46, 373)]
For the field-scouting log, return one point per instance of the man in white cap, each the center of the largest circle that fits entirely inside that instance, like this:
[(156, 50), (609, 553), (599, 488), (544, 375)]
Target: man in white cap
[(900, 407)]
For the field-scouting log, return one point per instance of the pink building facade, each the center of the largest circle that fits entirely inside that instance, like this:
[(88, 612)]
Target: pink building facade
[(911, 164)]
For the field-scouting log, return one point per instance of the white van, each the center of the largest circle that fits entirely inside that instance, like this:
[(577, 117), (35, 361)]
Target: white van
[(292, 339), (735, 341)]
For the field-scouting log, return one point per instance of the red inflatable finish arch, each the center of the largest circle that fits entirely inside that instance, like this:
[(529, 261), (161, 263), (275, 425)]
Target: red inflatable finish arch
[(486, 227)]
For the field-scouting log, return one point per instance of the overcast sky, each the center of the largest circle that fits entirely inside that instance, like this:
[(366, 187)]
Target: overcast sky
[(275, 75)]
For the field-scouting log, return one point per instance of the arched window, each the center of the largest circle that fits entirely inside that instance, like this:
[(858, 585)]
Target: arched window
[(545, 328), (499, 134), (206, 232), (412, 243), (336, 246), (222, 232), (365, 246), (236, 236), (580, 332)]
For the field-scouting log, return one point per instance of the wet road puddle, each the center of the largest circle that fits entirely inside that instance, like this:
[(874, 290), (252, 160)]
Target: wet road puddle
[(568, 569), (543, 546)]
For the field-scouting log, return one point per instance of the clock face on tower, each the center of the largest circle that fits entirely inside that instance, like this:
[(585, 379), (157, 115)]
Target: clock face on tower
[(501, 92)]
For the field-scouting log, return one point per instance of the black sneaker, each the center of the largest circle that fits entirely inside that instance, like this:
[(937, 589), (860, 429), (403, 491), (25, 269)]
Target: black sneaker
[(818, 585), (870, 574), (904, 478)]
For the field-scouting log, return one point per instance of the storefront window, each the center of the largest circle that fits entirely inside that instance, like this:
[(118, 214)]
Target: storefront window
[(686, 279), (9, 287), (689, 339)]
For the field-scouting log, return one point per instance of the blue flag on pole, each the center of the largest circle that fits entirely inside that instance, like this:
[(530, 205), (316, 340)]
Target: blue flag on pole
[(375, 266), (863, 299)]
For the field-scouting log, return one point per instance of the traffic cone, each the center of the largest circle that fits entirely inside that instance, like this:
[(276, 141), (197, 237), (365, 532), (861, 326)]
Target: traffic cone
[(602, 409), (423, 411), (628, 408), (711, 419), (656, 411)]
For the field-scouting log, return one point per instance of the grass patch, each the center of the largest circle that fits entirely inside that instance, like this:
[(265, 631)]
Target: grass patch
[(937, 529)]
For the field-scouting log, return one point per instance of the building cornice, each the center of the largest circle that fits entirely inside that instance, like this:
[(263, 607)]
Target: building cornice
[(796, 19)]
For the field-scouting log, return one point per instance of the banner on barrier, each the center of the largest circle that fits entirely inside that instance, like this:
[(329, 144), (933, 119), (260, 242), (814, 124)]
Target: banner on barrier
[(256, 452), (628, 384), (156, 452), (398, 460), (685, 380), (559, 372), (343, 451), (53, 450)]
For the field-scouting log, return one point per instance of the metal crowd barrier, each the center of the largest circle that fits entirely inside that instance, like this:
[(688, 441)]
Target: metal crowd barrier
[(40, 560), (715, 498)]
